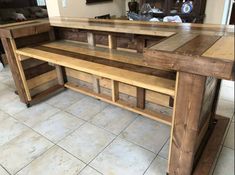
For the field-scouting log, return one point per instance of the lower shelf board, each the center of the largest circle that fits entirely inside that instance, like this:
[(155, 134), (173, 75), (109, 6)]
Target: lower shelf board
[(147, 113)]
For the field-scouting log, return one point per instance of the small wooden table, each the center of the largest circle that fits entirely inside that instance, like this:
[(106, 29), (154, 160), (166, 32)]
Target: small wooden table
[(193, 56)]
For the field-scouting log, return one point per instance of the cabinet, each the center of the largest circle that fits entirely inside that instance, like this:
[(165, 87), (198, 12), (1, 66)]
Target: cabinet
[(171, 7)]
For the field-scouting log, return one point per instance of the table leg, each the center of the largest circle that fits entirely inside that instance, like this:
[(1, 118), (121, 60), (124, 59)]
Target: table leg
[(186, 120)]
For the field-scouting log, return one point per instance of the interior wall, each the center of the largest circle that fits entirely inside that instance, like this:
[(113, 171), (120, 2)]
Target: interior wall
[(217, 11), (78, 8)]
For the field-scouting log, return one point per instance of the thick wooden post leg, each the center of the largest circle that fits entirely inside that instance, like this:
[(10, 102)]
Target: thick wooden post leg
[(115, 91), (186, 120), (112, 41)]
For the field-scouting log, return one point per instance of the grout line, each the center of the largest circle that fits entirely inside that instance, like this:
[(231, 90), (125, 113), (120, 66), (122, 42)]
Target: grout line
[(5, 169)]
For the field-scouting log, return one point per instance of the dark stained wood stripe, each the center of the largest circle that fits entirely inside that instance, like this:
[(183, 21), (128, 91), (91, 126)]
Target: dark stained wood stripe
[(38, 70), (131, 67), (198, 45), (213, 145)]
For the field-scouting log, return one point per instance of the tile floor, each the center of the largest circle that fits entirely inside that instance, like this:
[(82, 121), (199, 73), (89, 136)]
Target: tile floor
[(72, 134)]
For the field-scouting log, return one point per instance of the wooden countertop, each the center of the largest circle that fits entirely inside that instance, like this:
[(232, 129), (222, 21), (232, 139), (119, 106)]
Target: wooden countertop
[(141, 27)]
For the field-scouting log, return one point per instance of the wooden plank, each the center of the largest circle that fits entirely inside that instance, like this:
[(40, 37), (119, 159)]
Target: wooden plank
[(21, 71), (174, 42), (221, 69), (116, 58), (14, 69), (208, 158), (91, 39), (223, 48), (157, 84), (158, 117), (140, 98), (41, 79), (112, 41), (96, 84), (198, 45), (115, 91), (188, 104), (37, 70), (43, 87), (151, 96), (59, 74)]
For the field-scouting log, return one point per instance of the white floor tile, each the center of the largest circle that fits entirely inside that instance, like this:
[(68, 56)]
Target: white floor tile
[(123, 157), (22, 150), (54, 162), (10, 129), (3, 171), (36, 114), (229, 140), (114, 119), (86, 142), (225, 164), (87, 108), (148, 133), (89, 171), (225, 108), (58, 126), (227, 93), (165, 150), (65, 99), (158, 167)]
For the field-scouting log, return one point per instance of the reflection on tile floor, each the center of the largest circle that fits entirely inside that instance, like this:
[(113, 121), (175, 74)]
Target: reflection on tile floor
[(74, 134)]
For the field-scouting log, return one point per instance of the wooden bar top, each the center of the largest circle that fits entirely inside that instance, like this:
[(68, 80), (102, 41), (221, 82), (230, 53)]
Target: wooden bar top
[(140, 27)]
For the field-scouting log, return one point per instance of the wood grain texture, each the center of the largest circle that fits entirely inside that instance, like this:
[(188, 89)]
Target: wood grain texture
[(223, 48), (188, 104), (153, 115), (218, 68), (140, 98), (198, 45), (157, 84), (174, 42), (151, 96)]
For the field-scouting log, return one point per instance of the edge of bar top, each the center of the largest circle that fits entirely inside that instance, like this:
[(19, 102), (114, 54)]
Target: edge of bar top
[(84, 23)]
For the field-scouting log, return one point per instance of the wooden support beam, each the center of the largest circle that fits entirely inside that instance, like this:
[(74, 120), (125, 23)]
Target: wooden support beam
[(115, 91), (96, 84), (60, 75), (112, 41), (185, 125), (91, 39), (140, 45), (140, 98), (21, 70)]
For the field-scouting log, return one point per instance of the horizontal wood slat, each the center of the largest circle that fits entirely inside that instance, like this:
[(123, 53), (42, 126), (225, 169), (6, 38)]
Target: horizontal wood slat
[(41, 79), (157, 84), (158, 117)]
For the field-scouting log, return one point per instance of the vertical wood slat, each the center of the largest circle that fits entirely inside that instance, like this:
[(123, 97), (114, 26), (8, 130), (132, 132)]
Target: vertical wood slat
[(96, 84), (91, 39), (115, 91), (185, 124), (112, 41), (14, 69), (140, 45), (140, 98), (59, 71), (21, 70)]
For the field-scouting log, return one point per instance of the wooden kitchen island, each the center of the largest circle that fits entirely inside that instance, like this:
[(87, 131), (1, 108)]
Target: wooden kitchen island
[(168, 72)]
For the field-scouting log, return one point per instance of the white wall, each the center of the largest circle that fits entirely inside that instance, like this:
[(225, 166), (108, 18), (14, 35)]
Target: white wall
[(78, 8), (217, 11), (53, 8)]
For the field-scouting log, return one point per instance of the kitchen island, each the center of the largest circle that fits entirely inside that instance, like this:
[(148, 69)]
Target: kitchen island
[(168, 72)]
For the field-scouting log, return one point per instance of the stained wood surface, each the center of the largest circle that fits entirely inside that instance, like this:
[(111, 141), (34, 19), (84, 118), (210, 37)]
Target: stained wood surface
[(157, 84), (140, 27), (118, 87), (185, 124), (158, 117)]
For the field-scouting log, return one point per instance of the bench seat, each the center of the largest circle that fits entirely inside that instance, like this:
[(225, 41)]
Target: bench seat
[(150, 82)]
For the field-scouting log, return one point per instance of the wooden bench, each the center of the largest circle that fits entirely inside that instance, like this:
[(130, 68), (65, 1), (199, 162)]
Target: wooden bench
[(105, 63)]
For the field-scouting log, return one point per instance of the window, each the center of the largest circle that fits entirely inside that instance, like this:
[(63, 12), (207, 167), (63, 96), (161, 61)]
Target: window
[(41, 2)]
